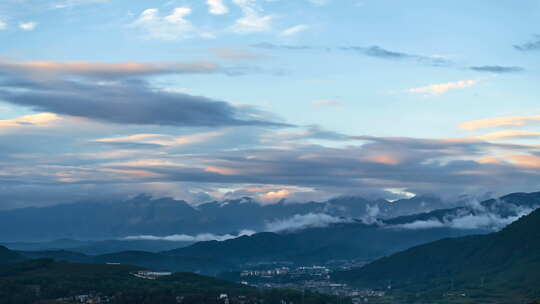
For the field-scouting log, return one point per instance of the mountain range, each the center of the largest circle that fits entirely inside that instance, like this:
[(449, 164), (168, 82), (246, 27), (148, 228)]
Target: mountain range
[(145, 216), (345, 240)]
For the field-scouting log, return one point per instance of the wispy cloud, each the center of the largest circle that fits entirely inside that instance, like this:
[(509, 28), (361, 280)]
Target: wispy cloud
[(291, 31), (3, 25), (72, 3), (509, 134), (497, 69), (230, 53), (28, 26), (525, 160), (473, 216), (41, 119), (252, 20), (319, 2), (533, 45), (203, 237), (217, 7), (161, 139), (514, 121), (327, 103), (169, 27), (47, 69), (370, 51), (300, 222), (437, 89), (379, 52)]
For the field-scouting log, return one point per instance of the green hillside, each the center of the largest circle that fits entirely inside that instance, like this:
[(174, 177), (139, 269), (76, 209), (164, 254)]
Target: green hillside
[(502, 265), (7, 256)]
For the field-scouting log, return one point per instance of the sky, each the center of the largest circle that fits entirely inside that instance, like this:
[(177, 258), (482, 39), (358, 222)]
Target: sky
[(273, 99)]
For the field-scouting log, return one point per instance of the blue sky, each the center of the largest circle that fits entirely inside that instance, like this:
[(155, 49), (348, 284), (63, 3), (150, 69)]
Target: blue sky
[(298, 99)]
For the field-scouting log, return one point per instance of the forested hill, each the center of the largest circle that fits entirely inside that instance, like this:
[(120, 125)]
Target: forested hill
[(506, 262)]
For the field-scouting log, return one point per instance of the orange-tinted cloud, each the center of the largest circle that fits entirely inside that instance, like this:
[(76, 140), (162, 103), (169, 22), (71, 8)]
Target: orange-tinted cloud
[(436, 89), (222, 171), (525, 160), (499, 122), (275, 195), (40, 119), (106, 69), (383, 159), (509, 134)]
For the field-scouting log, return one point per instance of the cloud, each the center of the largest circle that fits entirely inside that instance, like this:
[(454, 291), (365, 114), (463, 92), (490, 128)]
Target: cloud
[(50, 87), (241, 157), (437, 89), (291, 31), (275, 195), (497, 69), (319, 2), (53, 69), (161, 139), (533, 45), (41, 119), (327, 103), (271, 46), (475, 216), (28, 26), (251, 21), (372, 213), (300, 222), (515, 121), (370, 51), (133, 104), (203, 237), (525, 160), (312, 132), (379, 52), (228, 53), (509, 134), (72, 3), (3, 25), (174, 26), (217, 7), (441, 166)]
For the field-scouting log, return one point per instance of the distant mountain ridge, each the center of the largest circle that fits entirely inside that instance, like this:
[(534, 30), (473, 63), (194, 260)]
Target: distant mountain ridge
[(349, 240), (144, 215)]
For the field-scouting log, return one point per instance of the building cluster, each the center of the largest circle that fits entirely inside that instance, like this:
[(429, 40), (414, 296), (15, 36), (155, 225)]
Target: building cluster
[(85, 299), (312, 271), (150, 275), (265, 273), (326, 287)]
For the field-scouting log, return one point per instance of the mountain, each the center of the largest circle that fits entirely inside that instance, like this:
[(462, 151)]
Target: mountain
[(97, 247), (361, 241), (143, 215), (351, 241), (8, 257), (150, 260), (165, 262), (356, 241), (343, 240), (503, 264), (46, 281)]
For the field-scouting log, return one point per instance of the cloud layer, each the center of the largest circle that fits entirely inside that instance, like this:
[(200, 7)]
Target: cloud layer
[(48, 87)]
